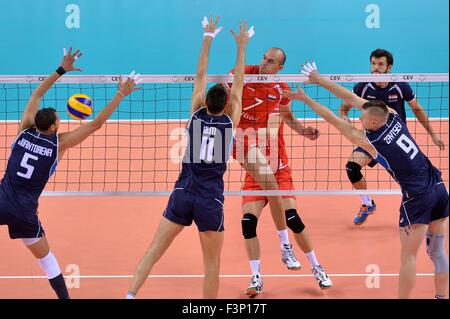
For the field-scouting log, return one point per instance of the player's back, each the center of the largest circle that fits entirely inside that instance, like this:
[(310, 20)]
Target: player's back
[(207, 153), (394, 95), (33, 160), (400, 155)]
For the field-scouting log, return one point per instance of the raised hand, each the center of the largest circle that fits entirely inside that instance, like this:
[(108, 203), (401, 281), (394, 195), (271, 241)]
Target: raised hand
[(244, 36), (69, 59), (310, 70), (210, 27), (129, 86)]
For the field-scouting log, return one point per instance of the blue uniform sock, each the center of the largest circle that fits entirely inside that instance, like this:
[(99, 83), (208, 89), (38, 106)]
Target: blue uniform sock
[(59, 286)]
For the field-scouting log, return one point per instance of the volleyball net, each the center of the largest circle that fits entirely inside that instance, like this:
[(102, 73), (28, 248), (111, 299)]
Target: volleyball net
[(139, 150)]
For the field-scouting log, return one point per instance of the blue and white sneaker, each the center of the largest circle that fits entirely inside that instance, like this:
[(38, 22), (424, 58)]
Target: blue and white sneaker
[(364, 212), (255, 287), (322, 277), (288, 257)]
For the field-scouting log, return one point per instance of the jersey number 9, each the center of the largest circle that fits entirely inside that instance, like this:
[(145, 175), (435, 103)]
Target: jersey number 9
[(407, 145)]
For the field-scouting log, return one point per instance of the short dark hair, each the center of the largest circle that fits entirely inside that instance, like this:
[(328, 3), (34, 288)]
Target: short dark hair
[(216, 98), (283, 60), (45, 118), (376, 107), (379, 53)]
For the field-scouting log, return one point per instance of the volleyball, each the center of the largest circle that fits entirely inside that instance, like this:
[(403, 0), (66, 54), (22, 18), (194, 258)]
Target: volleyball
[(79, 106)]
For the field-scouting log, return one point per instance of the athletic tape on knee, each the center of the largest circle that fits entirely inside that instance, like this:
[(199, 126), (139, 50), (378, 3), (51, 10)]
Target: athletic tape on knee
[(294, 222), (354, 172), (436, 251), (30, 241), (249, 223), (50, 266)]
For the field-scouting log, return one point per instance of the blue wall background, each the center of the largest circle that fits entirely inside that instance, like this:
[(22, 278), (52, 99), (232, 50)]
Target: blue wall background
[(164, 36)]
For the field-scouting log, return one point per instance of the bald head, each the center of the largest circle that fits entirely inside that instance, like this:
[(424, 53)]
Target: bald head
[(280, 54), (273, 61)]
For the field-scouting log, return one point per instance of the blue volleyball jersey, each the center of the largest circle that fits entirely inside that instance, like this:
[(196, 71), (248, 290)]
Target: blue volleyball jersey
[(207, 153), (33, 160), (402, 158), (394, 95)]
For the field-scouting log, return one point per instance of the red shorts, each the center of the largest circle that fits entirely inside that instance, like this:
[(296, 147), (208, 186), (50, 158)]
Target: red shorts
[(284, 181)]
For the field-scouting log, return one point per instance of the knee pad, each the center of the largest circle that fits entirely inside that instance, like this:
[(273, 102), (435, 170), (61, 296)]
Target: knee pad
[(436, 251), (294, 221), (249, 223), (353, 172)]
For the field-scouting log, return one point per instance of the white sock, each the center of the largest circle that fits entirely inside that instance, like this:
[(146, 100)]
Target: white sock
[(50, 266), (130, 295), (312, 258), (284, 238), (366, 200), (255, 266)]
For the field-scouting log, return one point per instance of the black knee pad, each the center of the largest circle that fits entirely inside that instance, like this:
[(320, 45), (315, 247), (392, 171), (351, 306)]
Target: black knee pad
[(354, 172), (294, 222), (249, 223)]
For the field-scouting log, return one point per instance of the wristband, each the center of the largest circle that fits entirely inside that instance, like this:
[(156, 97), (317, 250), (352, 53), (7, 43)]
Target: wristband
[(60, 70)]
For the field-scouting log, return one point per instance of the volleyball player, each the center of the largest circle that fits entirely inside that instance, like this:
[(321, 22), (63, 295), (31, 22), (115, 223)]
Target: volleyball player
[(394, 94), (264, 157), (198, 192), (35, 153), (424, 208)]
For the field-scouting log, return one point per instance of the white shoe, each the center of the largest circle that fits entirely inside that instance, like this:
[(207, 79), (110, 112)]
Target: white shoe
[(255, 287), (288, 258), (322, 277)]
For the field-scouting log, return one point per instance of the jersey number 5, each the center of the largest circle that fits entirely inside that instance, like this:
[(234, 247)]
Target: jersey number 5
[(27, 166), (407, 145)]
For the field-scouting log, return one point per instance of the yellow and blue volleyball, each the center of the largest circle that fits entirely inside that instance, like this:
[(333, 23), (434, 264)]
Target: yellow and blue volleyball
[(79, 106)]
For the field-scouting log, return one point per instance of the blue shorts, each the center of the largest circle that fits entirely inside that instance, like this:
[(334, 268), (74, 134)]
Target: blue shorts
[(425, 208), (21, 225), (185, 207), (360, 149)]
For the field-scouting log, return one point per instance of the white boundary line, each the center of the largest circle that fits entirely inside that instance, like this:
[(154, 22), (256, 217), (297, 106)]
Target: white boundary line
[(311, 119), (259, 78), (201, 276), (230, 193)]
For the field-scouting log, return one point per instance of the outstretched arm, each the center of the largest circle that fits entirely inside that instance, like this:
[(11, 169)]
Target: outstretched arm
[(422, 116), (242, 39), (198, 95), (353, 134), (32, 107), (349, 97), (72, 138)]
